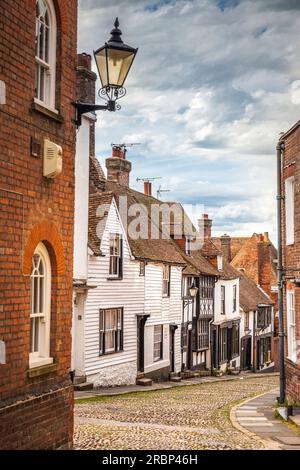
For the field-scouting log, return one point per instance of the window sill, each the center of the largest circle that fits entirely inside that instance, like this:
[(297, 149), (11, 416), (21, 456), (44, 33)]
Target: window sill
[(43, 109), (114, 278), (110, 353), (39, 370)]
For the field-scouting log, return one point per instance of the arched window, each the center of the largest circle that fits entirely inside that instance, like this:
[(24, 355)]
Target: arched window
[(40, 308), (45, 53)]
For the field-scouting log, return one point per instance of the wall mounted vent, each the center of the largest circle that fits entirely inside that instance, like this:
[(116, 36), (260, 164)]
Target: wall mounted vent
[(52, 159)]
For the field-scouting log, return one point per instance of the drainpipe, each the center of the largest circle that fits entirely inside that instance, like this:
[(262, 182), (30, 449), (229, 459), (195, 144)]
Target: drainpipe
[(279, 148), (254, 342)]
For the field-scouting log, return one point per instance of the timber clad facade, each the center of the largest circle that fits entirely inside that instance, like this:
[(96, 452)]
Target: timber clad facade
[(36, 223), (291, 259)]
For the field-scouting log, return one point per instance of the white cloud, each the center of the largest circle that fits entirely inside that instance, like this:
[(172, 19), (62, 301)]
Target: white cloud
[(207, 97)]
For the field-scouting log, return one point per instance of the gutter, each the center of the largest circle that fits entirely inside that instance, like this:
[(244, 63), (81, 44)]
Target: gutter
[(280, 197)]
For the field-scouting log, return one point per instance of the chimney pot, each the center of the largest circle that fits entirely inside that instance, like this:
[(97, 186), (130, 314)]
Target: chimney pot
[(147, 188), (84, 60), (118, 152)]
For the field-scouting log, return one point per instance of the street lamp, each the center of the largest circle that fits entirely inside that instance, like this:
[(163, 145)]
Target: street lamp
[(193, 292), (113, 61)]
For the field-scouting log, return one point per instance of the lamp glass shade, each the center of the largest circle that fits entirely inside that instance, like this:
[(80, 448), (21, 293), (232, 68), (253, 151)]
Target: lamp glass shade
[(193, 290), (114, 64)]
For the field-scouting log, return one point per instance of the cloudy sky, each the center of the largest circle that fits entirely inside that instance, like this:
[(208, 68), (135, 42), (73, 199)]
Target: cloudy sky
[(213, 84)]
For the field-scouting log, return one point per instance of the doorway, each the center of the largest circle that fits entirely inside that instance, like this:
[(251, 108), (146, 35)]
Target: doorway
[(246, 361), (173, 328), (141, 320)]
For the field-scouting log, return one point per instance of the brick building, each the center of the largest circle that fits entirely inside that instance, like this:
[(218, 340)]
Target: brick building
[(38, 83), (290, 184)]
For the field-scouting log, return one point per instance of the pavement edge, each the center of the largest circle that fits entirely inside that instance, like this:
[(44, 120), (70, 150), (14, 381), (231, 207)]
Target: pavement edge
[(270, 444)]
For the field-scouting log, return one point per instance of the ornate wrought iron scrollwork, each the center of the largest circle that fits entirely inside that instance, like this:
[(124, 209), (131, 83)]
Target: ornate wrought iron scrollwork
[(112, 94)]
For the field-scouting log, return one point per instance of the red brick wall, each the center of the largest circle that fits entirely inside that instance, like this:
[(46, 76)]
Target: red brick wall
[(34, 209), (291, 254)]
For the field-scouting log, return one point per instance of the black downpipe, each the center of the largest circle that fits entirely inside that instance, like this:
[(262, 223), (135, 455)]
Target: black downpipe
[(279, 149)]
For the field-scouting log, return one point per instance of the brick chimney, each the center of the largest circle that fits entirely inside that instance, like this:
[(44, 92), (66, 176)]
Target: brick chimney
[(205, 225), (118, 168), (226, 247), (86, 88), (264, 262), (147, 188)]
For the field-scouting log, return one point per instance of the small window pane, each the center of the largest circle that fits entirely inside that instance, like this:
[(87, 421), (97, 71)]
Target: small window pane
[(36, 334)]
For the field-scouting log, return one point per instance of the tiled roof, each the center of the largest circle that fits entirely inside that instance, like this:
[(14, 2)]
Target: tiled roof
[(247, 259), (99, 204), (250, 294), (236, 244), (160, 249), (197, 264), (228, 272), (97, 177)]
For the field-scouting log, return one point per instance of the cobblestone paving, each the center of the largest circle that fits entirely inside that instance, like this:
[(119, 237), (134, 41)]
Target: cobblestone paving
[(194, 417)]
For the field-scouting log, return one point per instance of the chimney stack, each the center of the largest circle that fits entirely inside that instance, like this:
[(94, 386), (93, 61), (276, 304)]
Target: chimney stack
[(226, 247), (205, 225), (147, 188), (118, 168), (264, 262), (86, 89)]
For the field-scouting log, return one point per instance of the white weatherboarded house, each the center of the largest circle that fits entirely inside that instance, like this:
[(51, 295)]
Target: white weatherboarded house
[(128, 323), (257, 325)]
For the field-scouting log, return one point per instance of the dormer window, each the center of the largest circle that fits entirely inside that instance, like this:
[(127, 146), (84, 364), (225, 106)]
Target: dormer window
[(220, 262), (188, 242), (45, 53)]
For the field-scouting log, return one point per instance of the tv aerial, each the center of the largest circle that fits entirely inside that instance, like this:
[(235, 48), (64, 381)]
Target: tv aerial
[(149, 180), (124, 146), (160, 191)]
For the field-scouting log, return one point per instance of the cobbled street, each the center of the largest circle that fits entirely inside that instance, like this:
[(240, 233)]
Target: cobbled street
[(182, 418)]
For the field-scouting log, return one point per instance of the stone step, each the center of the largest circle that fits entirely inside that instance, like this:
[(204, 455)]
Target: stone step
[(175, 378), (204, 373), (83, 387), (144, 382), (79, 380), (140, 375), (188, 374), (295, 419)]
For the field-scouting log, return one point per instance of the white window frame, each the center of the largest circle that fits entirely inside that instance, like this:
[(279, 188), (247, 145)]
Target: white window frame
[(291, 325), (223, 300), (220, 262), (158, 344), (42, 355), (234, 298), (50, 66), (115, 253), (110, 325), (290, 210), (166, 280)]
